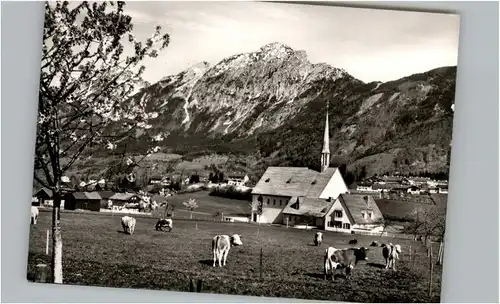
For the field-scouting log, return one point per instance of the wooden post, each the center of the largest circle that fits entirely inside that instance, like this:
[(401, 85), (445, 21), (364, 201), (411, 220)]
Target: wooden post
[(431, 268), (199, 286), (196, 225), (287, 222), (47, 243), (41, 273), (440, 254), (222, 217), (261, 254)]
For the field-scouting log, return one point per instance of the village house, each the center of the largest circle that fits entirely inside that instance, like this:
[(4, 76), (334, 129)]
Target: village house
[(280, 186), (414, 190), (364, 187), (41, 197), (83, 201), (236, 217), (237, 180), (155, 179), (122, 199)]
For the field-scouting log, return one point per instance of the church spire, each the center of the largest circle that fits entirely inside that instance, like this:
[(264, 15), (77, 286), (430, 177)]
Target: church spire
[(325, 153)]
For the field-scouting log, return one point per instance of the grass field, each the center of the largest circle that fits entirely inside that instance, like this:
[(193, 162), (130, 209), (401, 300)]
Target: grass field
[(97, 253), (209, 205)]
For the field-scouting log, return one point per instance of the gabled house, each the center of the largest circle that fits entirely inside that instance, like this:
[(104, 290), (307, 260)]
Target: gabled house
[(120, 199), (83, 200), (354, 213), (41, 197)]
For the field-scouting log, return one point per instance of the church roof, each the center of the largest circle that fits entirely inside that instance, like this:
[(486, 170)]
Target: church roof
[(293, 181), (315, 207), (356, 204)]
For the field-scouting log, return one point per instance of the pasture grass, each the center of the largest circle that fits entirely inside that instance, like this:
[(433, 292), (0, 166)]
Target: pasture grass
[(97, 253)]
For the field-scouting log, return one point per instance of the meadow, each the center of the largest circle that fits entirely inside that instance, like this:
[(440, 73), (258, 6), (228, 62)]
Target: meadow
[(98, 253)]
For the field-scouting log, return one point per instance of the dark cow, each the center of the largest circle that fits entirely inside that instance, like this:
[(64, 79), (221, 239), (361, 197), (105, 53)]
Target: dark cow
[(353, 242), (391, 254), (343, 258), (318, 238), (164, 223), (221, 245), (374, 244)]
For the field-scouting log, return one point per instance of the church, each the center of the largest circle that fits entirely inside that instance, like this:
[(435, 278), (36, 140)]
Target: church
[(302, 196)]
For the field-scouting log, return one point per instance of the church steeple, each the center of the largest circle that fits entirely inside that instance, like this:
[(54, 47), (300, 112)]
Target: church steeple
[(325, 153)]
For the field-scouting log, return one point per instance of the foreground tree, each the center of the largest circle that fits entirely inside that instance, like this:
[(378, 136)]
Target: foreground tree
[(84, 96)]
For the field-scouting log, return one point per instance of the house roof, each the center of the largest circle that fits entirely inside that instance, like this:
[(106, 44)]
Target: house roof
[(315, 207), (86, 195), (43, 191), (93, 195), (123, 196), (355, 204), (105, 194), (293, 181)]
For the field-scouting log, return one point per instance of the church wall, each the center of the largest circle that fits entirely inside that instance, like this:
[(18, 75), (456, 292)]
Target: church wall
[(271, 209)]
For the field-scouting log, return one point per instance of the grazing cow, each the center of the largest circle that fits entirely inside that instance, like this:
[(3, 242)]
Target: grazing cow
[(221, 245), (374, 244), (391, 254), (128, 224), (353, 242), (345, 258), (164, 223), (34, 215), (318, 238)]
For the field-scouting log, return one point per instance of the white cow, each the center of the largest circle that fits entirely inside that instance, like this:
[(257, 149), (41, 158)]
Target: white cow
[(221, 245), (318, 238), (34, 214), (128, 224), (391, 254)]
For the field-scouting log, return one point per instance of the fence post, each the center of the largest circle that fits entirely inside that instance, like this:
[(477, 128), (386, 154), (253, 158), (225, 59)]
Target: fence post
[(431, 266), (287, 222), (47, 243), (41, 273), (196, 225), (411, 256), (260, 272)]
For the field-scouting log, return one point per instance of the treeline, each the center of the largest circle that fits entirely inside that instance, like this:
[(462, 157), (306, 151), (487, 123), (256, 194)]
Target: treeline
[(232, 192)]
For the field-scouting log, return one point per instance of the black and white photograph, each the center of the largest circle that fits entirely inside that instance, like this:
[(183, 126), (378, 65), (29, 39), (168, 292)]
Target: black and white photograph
[(265, 149)]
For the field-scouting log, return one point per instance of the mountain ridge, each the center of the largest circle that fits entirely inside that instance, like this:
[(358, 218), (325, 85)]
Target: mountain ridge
[(273, 100)]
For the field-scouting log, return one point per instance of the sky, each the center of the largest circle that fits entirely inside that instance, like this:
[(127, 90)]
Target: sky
[(371, 45)]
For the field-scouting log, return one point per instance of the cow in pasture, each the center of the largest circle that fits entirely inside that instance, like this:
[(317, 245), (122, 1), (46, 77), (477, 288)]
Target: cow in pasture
[(128, 224), (353, 242), (318, 238), (164, 223), (391, 254), (345, 258), (34, 215), (221, 245), (374, 244)]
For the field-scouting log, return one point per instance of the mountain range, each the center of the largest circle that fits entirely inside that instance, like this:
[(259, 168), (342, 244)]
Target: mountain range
[(271, 104)]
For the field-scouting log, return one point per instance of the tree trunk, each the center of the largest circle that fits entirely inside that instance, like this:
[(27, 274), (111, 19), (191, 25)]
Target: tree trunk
[(57, 246)]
